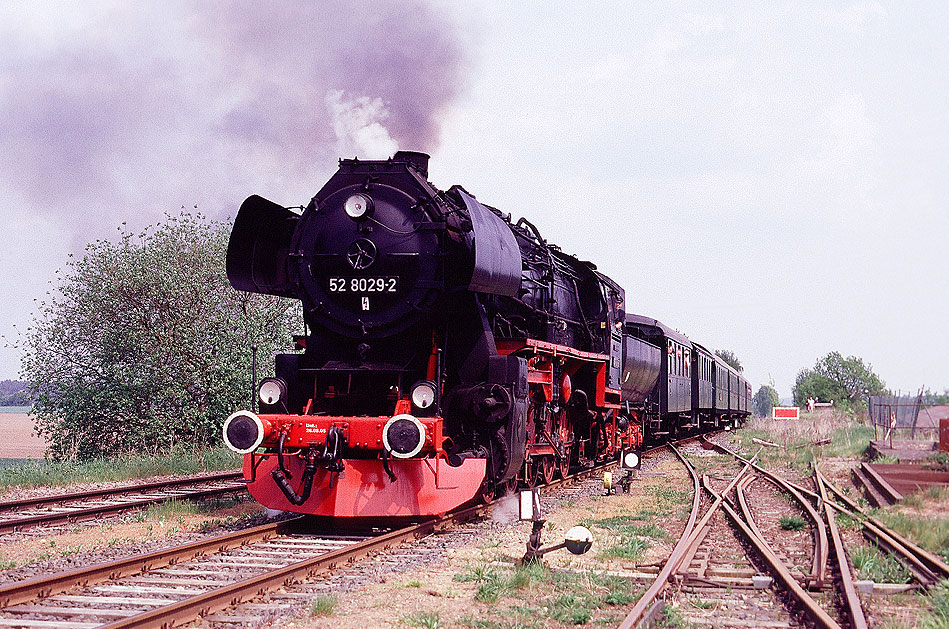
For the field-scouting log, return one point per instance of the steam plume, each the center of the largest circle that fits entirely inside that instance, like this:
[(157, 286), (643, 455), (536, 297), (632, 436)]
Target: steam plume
[(119, 112), (358, 126)]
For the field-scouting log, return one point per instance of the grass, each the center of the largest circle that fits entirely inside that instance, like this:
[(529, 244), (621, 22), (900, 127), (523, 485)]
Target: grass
[(175, 510), (31, 473), (491, 585), (626, 538), (671, 617), (426, 620), (171, 509), (792, 523), (323, 605), (844, 521), (797, 438), (668, 497), (930, 533), (870, 563), (630, 547), (565, 597), (626, 524), (940, 460), (938, 615)]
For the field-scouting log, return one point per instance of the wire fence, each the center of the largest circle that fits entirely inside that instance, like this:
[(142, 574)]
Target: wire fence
[(904, 417)]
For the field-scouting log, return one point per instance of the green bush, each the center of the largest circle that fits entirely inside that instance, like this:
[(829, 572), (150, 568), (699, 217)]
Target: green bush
[(144, 345)]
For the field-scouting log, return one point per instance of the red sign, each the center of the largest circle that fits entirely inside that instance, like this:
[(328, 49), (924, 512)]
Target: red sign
[(786, 412)]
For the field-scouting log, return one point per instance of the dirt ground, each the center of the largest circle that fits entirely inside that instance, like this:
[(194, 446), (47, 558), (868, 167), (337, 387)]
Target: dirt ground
[(18, 441), (433, 596)]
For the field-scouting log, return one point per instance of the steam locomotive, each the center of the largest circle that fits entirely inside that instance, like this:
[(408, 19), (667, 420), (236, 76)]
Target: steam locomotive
[(450, 353)]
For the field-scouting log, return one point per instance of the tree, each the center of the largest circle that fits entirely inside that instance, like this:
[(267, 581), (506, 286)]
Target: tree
[(765, 399), (729, 357), (145, 345), (845, 381)]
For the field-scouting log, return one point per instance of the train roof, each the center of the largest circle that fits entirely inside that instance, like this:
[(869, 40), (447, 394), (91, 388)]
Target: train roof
[(703, 349), (649, 322)]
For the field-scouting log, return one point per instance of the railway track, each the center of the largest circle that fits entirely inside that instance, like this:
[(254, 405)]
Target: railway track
[(718, 593), (205, 579), (182, 583), (709, 538), (83, 505), (830, 570), (926, 567)]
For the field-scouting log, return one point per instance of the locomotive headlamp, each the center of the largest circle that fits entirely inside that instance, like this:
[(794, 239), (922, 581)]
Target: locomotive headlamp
[(403, 436), (357, 206), (423, 394), (272, 391), (244, 432)]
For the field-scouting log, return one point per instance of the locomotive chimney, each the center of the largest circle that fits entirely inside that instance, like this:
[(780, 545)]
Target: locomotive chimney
[(417, 159)]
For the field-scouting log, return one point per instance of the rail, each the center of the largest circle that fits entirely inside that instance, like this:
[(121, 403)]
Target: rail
[(776, 566), (849, 591), (821, 548), (927, 567), (689, 537), (195, 593), (72, 506)]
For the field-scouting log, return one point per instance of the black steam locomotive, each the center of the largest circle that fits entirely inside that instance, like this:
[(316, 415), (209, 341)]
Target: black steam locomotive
[(451, 353)]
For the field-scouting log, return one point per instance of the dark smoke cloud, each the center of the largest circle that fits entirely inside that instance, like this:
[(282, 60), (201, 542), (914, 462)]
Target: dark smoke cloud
[(133, 111)]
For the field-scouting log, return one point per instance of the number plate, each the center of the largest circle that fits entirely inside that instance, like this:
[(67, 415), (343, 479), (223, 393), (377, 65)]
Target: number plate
[(363, 285)]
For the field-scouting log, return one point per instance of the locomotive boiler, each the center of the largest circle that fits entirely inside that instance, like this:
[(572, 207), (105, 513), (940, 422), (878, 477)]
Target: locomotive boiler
[(450, 353)]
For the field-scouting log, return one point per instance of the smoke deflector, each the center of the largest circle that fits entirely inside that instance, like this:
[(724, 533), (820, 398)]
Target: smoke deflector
[(259, 247), (497, 265)]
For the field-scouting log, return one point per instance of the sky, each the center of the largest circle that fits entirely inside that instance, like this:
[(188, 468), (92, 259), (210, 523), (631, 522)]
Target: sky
[(768, 178)]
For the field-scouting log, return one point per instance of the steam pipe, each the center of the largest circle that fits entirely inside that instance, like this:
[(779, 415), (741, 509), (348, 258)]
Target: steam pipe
[(308, 472)]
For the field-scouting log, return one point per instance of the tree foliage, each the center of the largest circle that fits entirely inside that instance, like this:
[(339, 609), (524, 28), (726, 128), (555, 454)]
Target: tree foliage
[(729, 357), (765, 399), (931, 398), (844, 381), (144, 345)]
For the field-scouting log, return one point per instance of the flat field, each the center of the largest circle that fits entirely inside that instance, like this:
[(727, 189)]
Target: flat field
[(18, 440)]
